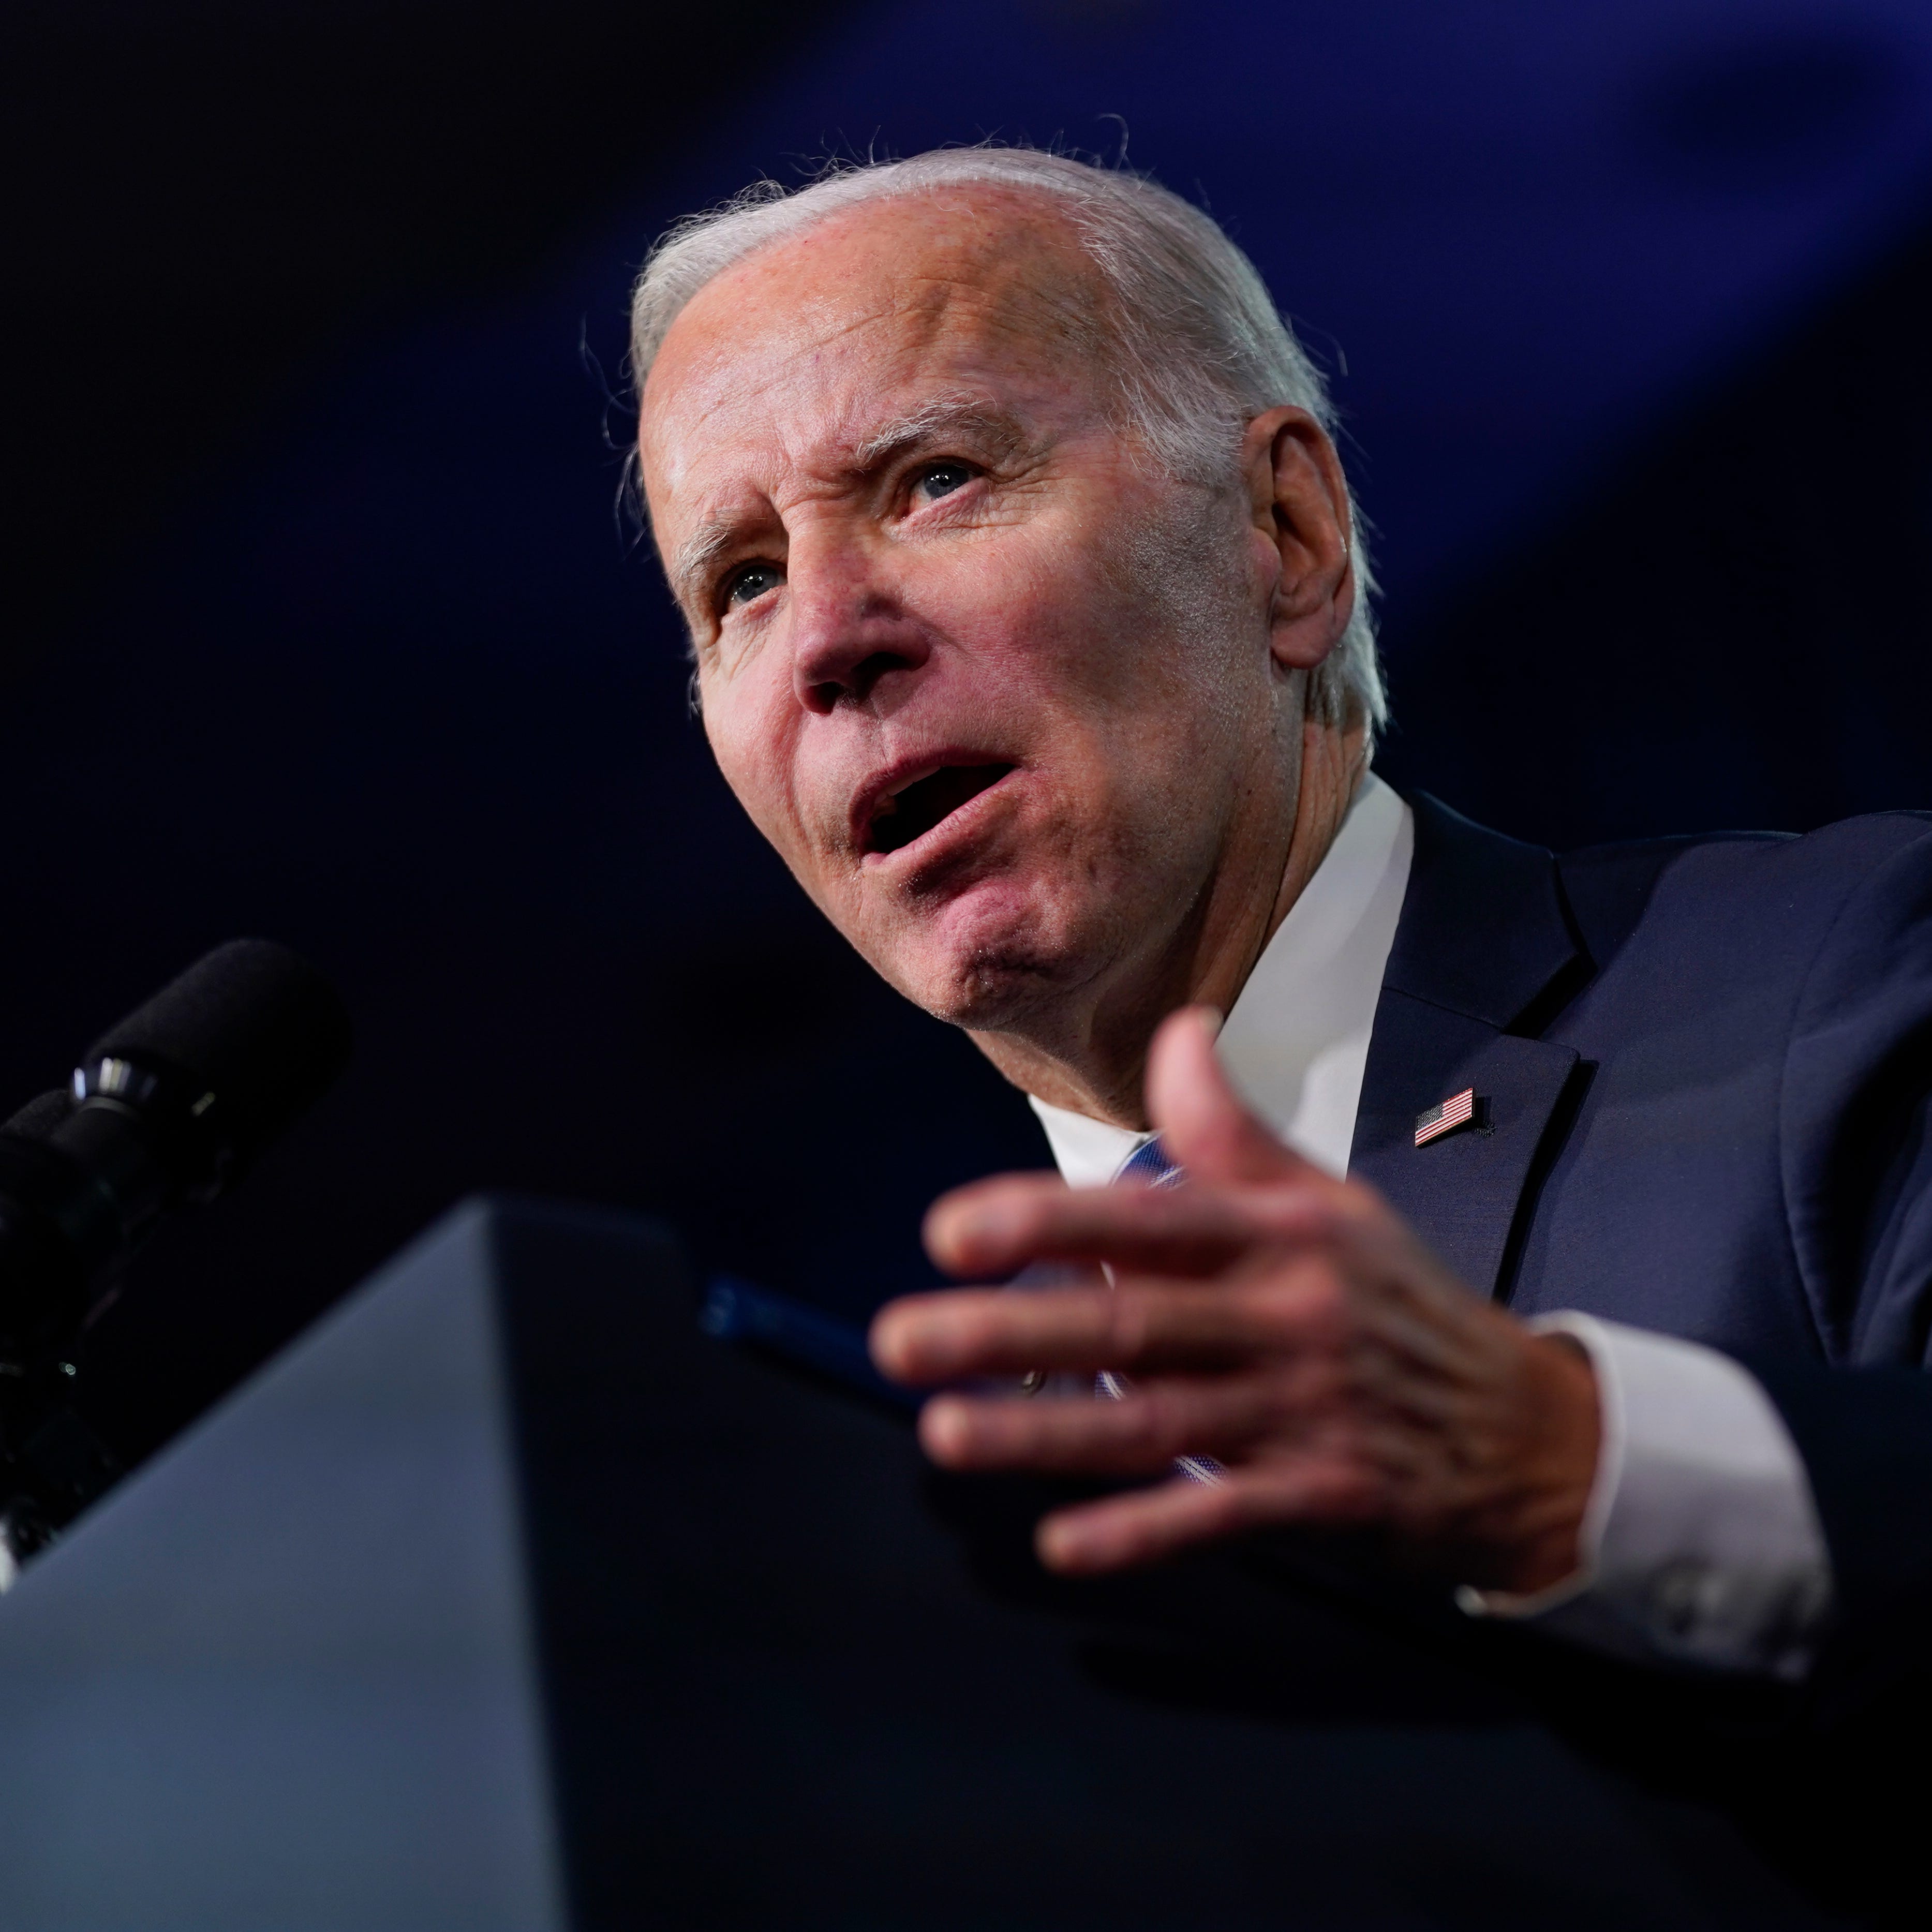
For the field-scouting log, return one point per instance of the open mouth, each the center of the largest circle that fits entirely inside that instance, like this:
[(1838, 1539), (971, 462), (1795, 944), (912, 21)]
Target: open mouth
[(911, 814)]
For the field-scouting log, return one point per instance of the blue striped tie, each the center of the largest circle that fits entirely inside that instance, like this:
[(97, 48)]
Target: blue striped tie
[(1150, 1164)]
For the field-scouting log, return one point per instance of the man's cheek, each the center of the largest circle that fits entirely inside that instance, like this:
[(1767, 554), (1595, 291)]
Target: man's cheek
[(753, 764)]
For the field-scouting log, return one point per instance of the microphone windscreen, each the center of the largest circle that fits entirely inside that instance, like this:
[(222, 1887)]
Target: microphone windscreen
[(256, 1025)]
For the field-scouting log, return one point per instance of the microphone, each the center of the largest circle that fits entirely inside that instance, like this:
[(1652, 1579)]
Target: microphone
[(171, 1106)]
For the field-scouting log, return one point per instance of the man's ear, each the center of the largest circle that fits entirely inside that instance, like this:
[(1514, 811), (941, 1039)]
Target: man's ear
[(1300, 505)]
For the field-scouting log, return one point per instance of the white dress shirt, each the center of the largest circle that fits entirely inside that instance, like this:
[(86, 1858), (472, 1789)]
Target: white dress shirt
[(1701, 1543)]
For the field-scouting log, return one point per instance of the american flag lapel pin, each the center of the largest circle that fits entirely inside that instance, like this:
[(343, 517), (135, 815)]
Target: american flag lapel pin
[(1445, 1117)]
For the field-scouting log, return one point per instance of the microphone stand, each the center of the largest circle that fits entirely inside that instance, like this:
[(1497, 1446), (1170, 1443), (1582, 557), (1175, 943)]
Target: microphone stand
[(52, 1463), (168, 1108)]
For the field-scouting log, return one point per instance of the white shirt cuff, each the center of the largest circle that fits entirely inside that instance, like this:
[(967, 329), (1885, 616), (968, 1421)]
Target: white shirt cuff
[(1701, 1543)]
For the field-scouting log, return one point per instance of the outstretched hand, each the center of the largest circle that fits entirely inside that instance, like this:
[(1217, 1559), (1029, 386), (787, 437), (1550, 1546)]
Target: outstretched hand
[(1286, 1324)]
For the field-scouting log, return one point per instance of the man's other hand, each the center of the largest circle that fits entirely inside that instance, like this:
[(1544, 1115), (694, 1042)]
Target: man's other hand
[(1286, 1324)]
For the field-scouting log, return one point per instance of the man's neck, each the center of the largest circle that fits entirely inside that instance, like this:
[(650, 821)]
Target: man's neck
[(1092, 1061)]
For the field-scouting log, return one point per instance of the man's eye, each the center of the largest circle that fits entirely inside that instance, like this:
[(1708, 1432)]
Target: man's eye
[(748, 583), (940, 479)]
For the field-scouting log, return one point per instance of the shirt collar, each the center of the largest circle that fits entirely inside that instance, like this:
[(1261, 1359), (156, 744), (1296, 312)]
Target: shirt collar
[(1297, 1039)]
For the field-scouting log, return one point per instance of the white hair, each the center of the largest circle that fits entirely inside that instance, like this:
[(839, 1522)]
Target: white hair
[(1195, 346)]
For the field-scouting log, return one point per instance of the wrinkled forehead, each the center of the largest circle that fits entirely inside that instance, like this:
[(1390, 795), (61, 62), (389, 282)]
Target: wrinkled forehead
[(806, 340)]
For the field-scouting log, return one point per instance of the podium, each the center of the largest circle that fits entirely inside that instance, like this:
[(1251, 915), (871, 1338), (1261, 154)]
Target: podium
[(504, 1598)]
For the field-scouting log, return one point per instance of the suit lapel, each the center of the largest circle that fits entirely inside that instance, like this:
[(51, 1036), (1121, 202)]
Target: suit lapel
[(1482, 944), (1459, 1193)]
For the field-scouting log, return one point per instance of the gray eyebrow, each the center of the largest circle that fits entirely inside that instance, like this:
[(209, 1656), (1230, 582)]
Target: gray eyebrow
[(695, 556), (961, 414)]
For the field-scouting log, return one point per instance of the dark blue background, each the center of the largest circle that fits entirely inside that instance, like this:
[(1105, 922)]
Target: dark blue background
[(328, 626)]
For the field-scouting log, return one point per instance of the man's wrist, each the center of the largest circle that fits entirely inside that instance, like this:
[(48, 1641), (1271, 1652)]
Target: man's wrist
[(1701, 1543), (1566, 1435)]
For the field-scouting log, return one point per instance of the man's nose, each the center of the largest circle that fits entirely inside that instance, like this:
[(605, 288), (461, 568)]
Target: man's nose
[(850, 633)]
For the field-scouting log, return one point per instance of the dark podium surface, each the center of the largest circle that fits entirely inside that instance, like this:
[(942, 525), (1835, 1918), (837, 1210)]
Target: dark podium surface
[(506, 1599)]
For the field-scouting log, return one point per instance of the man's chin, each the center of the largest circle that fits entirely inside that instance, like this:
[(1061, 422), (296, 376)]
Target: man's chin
[(992, 996), (993, 985), (993, 955)]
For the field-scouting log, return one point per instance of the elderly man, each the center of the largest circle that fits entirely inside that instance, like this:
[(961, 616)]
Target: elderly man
[(1030, 617)]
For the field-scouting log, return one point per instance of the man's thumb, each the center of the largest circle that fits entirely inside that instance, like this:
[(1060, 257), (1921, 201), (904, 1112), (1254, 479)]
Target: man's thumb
[(1203, 1125)]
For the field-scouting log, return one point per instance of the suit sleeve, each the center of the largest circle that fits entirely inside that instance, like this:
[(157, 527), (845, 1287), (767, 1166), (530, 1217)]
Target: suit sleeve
[(1855, 1140)]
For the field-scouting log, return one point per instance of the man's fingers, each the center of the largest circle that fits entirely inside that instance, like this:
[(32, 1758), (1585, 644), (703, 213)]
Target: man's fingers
[(924, 1339), (1141, 1433), (1290, 1410), (1147, 1525), (993, 1227), (1204, 1123)]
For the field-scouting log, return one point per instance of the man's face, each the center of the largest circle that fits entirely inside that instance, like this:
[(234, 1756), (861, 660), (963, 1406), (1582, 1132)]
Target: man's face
[(995, 689)]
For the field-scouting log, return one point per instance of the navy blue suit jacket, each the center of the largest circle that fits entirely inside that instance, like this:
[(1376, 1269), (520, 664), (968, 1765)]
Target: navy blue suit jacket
[(1707, 1068)]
